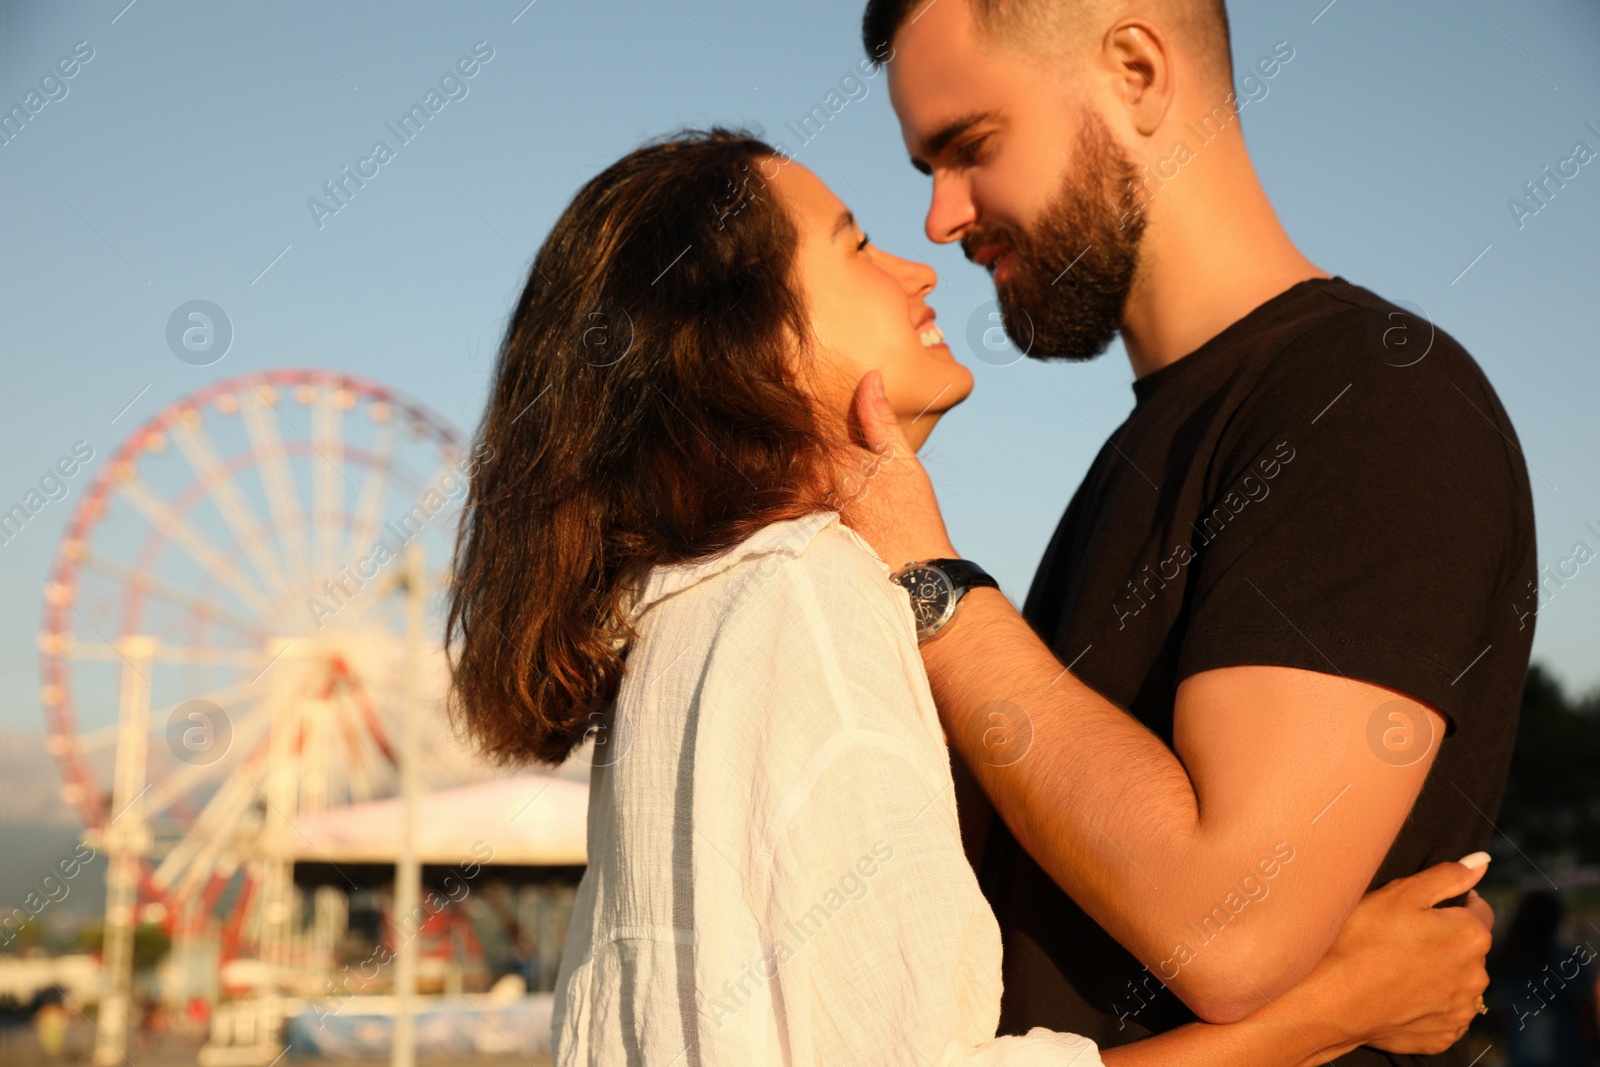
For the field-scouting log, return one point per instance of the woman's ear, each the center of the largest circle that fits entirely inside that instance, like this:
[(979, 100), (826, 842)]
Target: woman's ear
[(1139, 61)]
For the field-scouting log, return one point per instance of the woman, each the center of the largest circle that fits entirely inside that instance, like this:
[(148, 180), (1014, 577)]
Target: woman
[(656, 558)]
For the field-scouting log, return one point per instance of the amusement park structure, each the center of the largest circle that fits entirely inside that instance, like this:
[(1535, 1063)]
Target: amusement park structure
[(241, 629)]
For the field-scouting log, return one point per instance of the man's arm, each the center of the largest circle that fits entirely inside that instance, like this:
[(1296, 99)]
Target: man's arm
[(1169, 851)]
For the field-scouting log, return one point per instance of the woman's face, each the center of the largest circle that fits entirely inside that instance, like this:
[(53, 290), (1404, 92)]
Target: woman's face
[(868, 311)]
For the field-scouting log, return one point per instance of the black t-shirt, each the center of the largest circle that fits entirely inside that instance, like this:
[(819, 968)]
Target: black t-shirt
[(1329, 484)]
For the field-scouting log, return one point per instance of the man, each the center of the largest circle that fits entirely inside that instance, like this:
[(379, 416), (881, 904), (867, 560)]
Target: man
[(1274, 652)]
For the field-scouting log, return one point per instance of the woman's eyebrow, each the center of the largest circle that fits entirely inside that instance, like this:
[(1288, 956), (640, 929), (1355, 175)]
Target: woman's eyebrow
[(845, 220)]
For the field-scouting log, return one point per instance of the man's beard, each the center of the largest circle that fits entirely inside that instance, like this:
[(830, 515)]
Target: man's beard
[(1067, 286)]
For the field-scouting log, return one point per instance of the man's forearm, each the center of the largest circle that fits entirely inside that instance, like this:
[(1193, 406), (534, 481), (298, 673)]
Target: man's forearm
[(1109, 812), (998, 689)]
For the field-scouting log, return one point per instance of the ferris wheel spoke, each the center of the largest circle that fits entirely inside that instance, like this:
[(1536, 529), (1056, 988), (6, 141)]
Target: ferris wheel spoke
[(452, 507), (181, 530), (106, 652), (104, 737), (278, 480), (327, 481), (240, 696), (242, 657), (382, 602), (216, 855), (94, 740), (373, 729), (171, 593), (230, 501), (212, 831), (178, 784), (390, 606), (198, 893), (362, 749), (372, 487)]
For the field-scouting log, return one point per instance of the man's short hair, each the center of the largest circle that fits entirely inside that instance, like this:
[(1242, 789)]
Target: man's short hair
[(1202, 25)]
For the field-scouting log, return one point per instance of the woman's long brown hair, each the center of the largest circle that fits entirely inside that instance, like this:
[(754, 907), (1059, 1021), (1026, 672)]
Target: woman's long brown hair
[(644, 410)]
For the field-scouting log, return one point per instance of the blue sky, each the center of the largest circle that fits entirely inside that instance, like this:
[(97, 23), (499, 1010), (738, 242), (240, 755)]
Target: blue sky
[(179, 162)]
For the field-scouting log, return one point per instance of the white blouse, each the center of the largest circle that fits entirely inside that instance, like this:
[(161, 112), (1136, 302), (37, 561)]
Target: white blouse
[(775, 872)]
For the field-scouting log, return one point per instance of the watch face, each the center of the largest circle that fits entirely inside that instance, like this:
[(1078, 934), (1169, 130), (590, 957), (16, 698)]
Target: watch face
[(932, 596)]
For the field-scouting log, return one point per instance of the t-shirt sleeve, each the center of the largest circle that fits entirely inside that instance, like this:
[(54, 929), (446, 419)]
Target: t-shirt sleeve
[(1364, 519)]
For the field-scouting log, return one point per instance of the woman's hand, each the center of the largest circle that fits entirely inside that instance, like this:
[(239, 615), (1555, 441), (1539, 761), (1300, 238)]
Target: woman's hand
[(1404, 976)]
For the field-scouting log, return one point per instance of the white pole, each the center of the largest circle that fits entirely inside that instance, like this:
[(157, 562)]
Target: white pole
[(408, 872), (274, 863), (125, 840)]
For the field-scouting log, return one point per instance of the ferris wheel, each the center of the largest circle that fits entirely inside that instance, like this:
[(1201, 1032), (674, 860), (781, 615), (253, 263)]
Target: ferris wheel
[(230, 631)]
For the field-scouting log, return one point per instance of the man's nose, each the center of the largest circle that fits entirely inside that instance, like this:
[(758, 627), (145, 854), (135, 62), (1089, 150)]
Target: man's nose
[(951, 211)]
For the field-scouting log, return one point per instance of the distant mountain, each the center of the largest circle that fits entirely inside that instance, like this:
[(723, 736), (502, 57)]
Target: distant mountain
[(32, 785), (38, 832)]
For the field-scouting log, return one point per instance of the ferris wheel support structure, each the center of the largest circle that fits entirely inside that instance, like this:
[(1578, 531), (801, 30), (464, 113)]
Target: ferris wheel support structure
[(126, 838)]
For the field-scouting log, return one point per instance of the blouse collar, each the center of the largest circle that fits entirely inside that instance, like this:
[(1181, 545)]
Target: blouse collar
[(786, 538)]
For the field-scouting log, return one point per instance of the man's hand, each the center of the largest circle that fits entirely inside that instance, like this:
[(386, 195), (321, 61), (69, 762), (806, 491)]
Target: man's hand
[(890, 501)]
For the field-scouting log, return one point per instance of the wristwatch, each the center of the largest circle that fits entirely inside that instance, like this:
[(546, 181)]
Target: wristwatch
[(936, 586)]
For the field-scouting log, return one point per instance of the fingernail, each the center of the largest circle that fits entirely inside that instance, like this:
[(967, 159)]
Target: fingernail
[(1476, 860)]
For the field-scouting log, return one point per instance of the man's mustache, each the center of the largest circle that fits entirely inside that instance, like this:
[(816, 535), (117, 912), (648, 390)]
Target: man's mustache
[(973, 242)]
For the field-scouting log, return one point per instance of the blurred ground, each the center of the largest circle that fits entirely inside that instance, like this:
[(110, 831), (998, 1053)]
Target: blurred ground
[(20, 1048)]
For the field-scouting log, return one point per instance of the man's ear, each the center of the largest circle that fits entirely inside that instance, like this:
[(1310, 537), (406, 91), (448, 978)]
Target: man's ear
[(1139, 59)]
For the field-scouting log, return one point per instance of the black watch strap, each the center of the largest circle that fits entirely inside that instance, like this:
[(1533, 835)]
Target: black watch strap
[(965, 574)]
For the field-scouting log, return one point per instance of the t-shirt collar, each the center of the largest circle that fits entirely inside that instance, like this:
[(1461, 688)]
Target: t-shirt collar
[(1146, 387)]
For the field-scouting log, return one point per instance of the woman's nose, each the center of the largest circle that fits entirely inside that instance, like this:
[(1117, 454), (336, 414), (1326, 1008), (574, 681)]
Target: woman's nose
[(915, 277), (922, 278)]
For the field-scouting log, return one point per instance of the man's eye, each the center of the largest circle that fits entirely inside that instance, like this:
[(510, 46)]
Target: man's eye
[(865, 240), (968, 153)]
